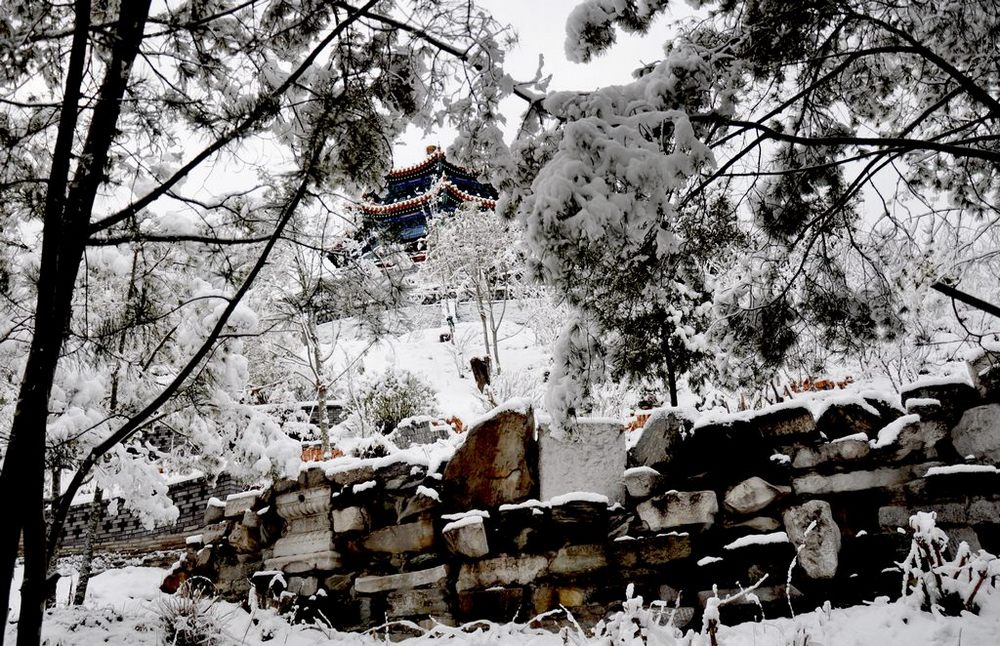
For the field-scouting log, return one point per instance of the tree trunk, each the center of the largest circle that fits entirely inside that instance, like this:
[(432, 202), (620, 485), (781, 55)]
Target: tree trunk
[(64, 234), (481, 307), (54, 491), (27, 436), (671, 377), (96, 513), (321, 387), (496, 346)]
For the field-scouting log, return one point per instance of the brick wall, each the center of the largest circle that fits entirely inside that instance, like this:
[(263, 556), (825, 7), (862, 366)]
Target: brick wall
[(124, 532)]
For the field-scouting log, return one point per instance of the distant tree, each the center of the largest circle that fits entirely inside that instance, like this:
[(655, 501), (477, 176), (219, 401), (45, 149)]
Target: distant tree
[(359, 298), (391, 397), (477, 256)]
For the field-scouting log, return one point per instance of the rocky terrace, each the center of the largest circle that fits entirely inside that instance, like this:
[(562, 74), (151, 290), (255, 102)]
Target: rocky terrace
[(810, 504)]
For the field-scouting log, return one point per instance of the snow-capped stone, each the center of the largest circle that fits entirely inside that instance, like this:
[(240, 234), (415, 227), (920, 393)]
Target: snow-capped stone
[(238, 503), (642, 482), (752, 495), (660, 436), (467, 537), (679, 508), (978, 433), (496, 464), (415, 505), (955, 393), (847, 416), (591, 457), (785, 423), (811, 528)]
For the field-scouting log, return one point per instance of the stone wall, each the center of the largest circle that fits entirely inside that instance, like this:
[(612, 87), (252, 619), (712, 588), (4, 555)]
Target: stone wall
[(706, 501), (124, 532)]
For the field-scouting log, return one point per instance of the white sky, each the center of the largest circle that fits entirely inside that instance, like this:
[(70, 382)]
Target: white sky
[(541, 29)]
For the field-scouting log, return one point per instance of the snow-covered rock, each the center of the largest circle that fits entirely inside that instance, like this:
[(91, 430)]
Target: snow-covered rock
[(496, 464), (642, 482), (659, 438), (467, 537)]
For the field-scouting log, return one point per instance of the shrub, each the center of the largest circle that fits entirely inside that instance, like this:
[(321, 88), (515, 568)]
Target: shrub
[(189, 617), (393, 397)]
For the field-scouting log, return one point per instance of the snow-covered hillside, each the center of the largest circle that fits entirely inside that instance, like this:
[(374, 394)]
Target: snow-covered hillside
[(417, 347)]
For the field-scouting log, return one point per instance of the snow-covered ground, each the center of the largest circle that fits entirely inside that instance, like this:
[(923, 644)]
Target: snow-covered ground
[(445, 366), (124, 607)]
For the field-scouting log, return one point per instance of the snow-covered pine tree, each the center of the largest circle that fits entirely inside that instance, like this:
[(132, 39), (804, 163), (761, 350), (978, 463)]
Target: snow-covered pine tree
[(322, 88), (819, 128)]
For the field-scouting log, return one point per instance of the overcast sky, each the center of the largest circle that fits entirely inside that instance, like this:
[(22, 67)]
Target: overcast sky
[(541, 28)]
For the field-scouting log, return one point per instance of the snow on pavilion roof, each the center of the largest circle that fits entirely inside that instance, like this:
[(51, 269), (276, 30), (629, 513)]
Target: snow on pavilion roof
[(432, 184)]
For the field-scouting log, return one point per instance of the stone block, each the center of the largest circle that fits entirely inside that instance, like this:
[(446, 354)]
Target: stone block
[(420, 503), (652, 551), (661, 434), (250, 518), (816, 536), (403, 581), (304, 552), (808, 457), (350, 477), (495, 604), (816, 484), (577, 560), (304, 502), (395, 539), (784, 424), (503, 570), (411, 603), (238, 503), (338, 583), (843, 418), (955, 397), (679, 509), (304, 586), (978, 433), (753, 495), (244, 539), (589, 457), (301, 563), (351, 519), (642, 482), (757, 524), (497, 463), (214, 512), (466, 537)]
